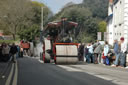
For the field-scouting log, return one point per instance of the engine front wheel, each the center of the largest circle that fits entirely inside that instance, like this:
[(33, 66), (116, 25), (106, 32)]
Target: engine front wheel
[(46, 58)]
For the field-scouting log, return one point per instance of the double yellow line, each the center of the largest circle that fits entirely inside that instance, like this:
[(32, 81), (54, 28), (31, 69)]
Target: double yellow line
[(14, 82)]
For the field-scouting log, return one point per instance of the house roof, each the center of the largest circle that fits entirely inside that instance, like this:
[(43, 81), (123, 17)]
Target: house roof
[(57, 24), (109, 17)]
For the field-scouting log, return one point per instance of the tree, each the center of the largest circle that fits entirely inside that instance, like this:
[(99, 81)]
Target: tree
[(99, 8), (30, 33), (16, 15), (102, 26), (87, 15), (36, 7), (19, 15)]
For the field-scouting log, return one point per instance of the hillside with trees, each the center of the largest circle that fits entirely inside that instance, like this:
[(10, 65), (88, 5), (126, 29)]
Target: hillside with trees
[(22, 18), (90, 15)]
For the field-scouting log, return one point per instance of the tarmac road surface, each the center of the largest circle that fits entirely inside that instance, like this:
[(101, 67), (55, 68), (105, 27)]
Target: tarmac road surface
[(32, 72)]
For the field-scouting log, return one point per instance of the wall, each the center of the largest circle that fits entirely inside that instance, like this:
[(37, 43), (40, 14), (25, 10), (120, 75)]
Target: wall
[(126, 20)]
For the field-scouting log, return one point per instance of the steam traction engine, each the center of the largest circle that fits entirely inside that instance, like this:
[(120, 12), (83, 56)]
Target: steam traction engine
[(57, 42)]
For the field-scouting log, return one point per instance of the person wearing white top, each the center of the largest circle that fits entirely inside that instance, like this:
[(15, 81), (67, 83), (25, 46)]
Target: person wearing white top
[(123, 52), (106, 50), (5, 52), (90, 55)]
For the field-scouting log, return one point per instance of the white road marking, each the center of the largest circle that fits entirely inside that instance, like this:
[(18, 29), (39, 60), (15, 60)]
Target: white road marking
[(10, 76), (71, 69), (15, 75), (41, 61)]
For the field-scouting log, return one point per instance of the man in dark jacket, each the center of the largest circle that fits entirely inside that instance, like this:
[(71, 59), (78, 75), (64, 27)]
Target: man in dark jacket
[(13, 52), (81, 52)]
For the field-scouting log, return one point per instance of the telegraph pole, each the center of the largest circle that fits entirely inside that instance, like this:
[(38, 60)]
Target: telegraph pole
[(42, 17), (42, 24)]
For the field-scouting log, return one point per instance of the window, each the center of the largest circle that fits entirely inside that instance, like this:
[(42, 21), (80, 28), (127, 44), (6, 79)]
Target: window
[(120, 24)]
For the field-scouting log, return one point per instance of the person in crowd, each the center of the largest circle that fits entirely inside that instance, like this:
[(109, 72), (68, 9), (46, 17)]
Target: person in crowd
[(26, 48), (13, 52), (123, 52), (81, 52), (18, 49), (97, 54), (96, 44), (116, 52), (105, 52), (90, 56), (21, 52), (5, 52), (85, 53)]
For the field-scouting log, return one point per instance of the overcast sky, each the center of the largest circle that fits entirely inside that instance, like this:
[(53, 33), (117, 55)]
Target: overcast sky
[(56, 5)]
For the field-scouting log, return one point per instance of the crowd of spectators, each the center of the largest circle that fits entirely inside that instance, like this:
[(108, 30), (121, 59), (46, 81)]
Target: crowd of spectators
[(8, 52), (105, 54)]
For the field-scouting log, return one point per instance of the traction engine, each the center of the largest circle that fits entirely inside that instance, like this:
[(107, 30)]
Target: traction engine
[(58, 42)]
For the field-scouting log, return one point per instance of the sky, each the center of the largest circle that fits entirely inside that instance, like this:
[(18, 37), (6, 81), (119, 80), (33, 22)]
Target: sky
[(56, 5)]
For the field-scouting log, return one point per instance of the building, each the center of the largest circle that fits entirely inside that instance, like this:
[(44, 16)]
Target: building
[(110, 33), (117, 20)]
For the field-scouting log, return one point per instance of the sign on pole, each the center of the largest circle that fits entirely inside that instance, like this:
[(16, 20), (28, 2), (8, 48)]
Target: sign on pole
[(98, 35)]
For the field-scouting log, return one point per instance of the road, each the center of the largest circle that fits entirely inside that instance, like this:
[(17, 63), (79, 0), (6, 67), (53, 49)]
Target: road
[(29, 71)]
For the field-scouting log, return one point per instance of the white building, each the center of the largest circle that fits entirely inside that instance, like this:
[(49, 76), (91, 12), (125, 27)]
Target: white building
[(117, 20)]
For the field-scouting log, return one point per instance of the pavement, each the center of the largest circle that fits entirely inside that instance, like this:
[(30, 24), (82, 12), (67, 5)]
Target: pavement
[(31, 71), (116, 75)]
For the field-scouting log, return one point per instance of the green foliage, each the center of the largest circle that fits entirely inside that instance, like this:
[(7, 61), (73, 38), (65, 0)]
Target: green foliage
[(23, 18), (37, 4), (102, 26), (84, 37), (99, 8), (36, 7), (87, 15), (29, 33), (7, 41)]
